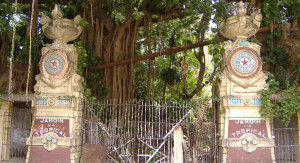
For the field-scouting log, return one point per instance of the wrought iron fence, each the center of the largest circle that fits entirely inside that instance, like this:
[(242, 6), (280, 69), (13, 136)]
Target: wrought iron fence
[(139, 131), (287, 147)]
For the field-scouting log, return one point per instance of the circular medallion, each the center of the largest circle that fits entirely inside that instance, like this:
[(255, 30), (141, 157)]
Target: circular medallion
[(55, 64), (244, 62)]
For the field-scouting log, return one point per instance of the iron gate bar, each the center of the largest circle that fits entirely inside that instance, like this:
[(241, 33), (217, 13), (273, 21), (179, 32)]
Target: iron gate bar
[(151, 147), (161, 159), (120, 146), (118, 154), (168, 134), (112, 158), (148, 123)]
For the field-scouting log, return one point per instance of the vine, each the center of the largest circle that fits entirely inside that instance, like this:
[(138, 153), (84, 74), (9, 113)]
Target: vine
[(283, 82), (285, 106), (12, 55), (93, 86)]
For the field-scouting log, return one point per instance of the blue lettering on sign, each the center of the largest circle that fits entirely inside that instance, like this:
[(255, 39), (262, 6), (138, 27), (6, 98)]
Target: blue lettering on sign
[(256, 101), (41, 102), (63, 102), (235, 101)]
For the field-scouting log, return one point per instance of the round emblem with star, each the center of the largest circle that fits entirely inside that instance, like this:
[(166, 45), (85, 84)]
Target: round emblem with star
[(55, 64), (244, 62)]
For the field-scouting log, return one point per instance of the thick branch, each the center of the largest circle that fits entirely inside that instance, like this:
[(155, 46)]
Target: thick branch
[(167, 52), (153, 55), (153, 11), (266, 29)]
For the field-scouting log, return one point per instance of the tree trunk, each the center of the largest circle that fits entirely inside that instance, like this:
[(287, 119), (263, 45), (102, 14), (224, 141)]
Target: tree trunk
[(113, 42), (4, 50)]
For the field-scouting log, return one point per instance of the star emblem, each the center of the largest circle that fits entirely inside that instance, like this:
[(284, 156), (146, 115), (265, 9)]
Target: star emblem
[(54, 63), (244, 62)]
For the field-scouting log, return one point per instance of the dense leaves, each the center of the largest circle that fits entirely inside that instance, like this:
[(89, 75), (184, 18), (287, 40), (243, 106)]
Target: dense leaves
[(283, 108), (123, 29)]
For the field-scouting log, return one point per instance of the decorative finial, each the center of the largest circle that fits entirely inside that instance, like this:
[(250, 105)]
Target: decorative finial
[(59, 29), (240, 25), (56, 14), (241, 9)]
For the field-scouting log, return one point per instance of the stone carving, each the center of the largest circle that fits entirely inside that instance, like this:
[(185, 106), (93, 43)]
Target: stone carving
[(239, 86), (243, 63), (61, 29), (50, 141), (247, 101), (249, 142), (52, 101), (58, 64), (240, 25), (55, 64), (60, 92)]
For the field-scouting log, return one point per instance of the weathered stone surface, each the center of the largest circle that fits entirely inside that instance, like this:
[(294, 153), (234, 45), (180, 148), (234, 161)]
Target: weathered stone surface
[(5, 125), (61, 29), (240, 123), (240, 24), (93, 153), (57, 110)]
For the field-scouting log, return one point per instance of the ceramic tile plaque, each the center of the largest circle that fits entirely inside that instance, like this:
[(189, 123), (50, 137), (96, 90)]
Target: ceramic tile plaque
[(47, 125), (238, 128)]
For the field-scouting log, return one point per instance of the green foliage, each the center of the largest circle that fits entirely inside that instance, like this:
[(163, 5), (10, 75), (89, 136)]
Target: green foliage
[(84, 24), (88, 95), (94, 85), (216, 50), (82, 58), (5, 15), (283, 80), (170, 75), (286, 106), (254, 40), (136, 15), (282, 11), (181, 27), (119, 17), (94, 79), (222, 10), (281, 61)]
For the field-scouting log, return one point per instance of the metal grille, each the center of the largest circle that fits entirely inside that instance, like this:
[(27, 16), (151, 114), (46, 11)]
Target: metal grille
[(20, 130), (287, 147), (138, 131)]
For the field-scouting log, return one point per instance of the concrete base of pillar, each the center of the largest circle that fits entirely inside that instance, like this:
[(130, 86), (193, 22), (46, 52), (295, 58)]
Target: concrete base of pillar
[(56, 131)]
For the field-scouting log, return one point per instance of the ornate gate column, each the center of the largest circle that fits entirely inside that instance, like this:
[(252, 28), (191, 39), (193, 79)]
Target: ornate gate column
[(245, 135), (56, 128), (5, 127)]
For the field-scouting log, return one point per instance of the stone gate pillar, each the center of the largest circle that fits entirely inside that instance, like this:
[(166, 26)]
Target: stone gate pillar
[(56, 128), (245, 135), (5, 127)]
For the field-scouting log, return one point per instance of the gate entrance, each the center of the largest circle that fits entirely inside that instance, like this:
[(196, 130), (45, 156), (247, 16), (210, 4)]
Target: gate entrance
[(142, 132), (20, 129)]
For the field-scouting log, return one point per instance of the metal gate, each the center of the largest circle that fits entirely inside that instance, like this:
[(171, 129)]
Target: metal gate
[(287, 147), (138, 131), (20, 129)]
